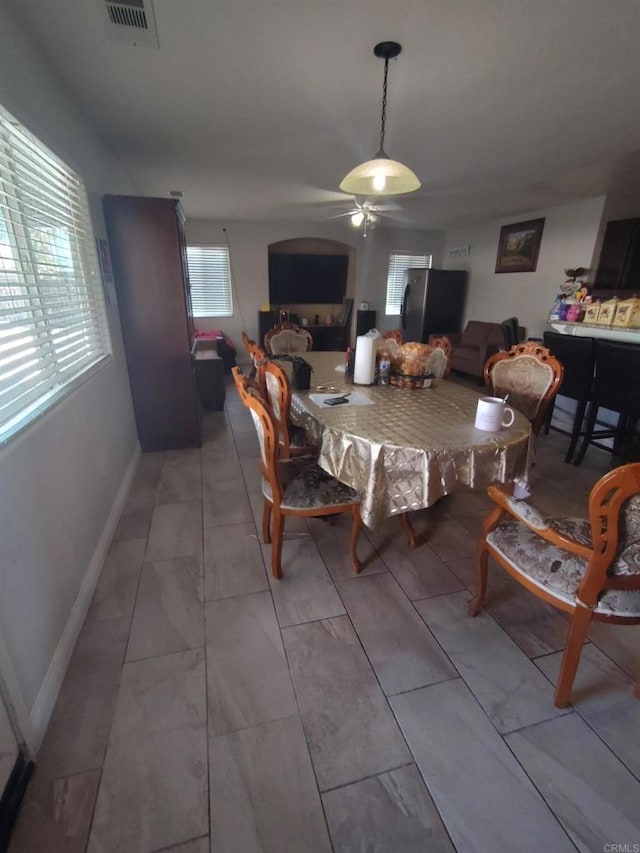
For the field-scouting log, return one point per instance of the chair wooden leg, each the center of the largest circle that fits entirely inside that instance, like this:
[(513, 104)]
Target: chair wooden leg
[(266, 523), (482, 559), (412, 537), (577, 427), (548, 416), (276, 545), (578, 628), (588, 430), (356, 527)]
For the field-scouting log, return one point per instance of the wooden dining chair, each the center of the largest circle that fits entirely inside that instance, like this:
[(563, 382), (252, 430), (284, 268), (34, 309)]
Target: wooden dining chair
[(246, 386), (530, 375), (249, 344), (259, 360), (394, 335), (293, 439), (287, 339), (296, 487), (440, 359), (589, 568)]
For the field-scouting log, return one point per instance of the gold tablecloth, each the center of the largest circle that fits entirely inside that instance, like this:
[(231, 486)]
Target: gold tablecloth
[(411, 447)]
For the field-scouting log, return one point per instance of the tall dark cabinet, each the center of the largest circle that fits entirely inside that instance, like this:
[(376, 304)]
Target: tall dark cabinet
[(619, 265), (148, 252)]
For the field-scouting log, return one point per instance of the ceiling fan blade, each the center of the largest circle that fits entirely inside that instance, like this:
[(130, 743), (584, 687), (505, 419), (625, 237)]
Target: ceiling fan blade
[(345, 213)]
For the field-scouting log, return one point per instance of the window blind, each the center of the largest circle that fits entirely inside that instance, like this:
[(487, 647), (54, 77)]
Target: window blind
[(397, 277), (210, 280), (52, 316)]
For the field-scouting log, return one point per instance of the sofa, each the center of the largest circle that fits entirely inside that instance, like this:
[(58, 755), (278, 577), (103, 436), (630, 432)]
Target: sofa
[(471, 348)]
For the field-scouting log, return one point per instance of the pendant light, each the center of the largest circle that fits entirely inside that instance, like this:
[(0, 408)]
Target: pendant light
[(381, 176)]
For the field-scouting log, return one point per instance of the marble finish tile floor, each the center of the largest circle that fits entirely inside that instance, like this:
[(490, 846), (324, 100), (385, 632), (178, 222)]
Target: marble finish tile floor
[(208, 707)]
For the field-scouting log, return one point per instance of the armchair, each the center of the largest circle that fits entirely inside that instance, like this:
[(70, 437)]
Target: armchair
[(589, 568), (478, 341)]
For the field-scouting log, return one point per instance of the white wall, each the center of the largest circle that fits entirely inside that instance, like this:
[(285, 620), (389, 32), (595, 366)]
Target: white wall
[(249, 244), (569, 238), (60, 476)]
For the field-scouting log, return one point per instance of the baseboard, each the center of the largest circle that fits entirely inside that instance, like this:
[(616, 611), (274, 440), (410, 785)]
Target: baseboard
[(48, 693)]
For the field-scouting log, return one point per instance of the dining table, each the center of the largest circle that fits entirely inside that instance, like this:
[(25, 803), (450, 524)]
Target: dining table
[(403, 449)]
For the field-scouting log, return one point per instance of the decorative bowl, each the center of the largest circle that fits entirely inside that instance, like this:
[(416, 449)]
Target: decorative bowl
[(404, 380)]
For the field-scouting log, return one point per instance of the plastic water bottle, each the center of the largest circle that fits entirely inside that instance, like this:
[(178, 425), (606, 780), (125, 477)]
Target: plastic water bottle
[(384, 368)]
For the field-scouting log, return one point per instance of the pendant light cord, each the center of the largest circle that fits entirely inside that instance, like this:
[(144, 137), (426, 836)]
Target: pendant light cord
[(383, 119)]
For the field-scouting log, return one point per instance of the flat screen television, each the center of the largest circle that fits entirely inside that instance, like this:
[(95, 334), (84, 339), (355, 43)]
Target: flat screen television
[(299, 279)]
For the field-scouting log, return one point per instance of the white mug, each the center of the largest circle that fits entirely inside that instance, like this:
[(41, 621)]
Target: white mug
[(491, 414)]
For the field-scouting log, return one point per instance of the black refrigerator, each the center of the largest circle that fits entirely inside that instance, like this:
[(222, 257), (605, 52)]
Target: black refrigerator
[(433, 303)]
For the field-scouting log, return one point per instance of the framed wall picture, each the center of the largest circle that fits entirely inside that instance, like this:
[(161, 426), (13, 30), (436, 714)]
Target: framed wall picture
[(519, 246)]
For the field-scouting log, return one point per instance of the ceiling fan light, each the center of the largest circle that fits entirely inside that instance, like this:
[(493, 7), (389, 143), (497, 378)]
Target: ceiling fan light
[(357, 219), (380, 176)]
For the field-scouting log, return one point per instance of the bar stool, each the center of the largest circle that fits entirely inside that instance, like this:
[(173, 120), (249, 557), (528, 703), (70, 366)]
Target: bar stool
[(616, 387), (578, 357), (510, 332)]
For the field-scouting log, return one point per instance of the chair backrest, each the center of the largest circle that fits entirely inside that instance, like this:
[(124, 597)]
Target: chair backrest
[(614, 513), (259, 360), (440, 359), (268, 439), (510, 332), (616, 384), (479, 333), (278, 395), (245, 385), (578, 356), (395, 335), (531, 377), (287, 339), (247, 343)]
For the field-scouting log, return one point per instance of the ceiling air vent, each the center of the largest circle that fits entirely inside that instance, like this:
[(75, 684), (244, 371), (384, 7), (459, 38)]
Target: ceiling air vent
[(132, 22)]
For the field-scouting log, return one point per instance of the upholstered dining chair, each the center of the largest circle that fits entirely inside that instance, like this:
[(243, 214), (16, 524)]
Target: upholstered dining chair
[(248, 343), (246, 386), (293, 439), (287, 339), (296, 487), (529, 374), (394, 335), (589, 568), (440, 359)]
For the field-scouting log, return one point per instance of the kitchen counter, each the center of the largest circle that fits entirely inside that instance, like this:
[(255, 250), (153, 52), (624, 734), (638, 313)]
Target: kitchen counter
[(589, 330)]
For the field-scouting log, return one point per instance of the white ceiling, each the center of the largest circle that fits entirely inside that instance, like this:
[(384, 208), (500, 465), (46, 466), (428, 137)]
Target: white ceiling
[(256, 109)]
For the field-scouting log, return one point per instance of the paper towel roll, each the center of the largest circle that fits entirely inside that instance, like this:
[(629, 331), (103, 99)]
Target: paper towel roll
[(365, 365)]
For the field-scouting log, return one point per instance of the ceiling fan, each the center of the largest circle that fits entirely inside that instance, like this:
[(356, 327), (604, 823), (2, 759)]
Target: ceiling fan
[(367, 213)]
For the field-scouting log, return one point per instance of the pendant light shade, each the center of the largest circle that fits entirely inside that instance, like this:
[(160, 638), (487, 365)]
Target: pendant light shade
[(381, 176)]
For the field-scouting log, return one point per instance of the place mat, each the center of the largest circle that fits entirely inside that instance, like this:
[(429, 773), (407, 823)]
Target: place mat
[(355, 398)]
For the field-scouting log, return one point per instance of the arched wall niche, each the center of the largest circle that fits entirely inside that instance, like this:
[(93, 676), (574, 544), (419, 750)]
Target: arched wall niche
[(318, 246)]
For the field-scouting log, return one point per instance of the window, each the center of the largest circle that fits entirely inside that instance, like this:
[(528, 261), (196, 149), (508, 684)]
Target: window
[(53, 324), (210, 279), (397, 278)]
